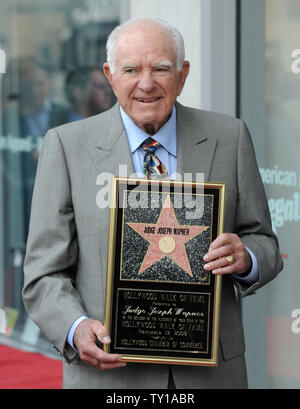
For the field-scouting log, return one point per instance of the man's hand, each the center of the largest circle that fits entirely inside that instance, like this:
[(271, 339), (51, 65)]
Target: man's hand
[(228, 244), (85, 337)]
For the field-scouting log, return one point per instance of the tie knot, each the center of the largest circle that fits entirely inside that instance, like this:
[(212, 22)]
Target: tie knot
[(151, 145)]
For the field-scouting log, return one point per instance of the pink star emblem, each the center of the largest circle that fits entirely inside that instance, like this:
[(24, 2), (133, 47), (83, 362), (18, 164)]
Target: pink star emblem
[(167, 238)]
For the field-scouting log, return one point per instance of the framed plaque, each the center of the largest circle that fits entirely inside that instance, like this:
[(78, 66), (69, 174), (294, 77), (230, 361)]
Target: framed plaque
[(161, 305)]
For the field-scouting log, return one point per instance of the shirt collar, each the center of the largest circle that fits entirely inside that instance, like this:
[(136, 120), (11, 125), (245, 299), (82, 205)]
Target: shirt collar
[(166, 135)]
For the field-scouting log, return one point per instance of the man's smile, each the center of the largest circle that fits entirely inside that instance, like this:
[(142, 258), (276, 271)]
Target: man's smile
[(147, 100)]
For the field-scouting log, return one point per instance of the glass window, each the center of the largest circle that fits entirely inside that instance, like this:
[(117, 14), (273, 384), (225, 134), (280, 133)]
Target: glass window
[(54, 55), (270, 104)]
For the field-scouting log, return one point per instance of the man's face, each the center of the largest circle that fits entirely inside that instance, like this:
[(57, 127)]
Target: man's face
[(34, 89), (146, 81), (40, 88), (101, 95)]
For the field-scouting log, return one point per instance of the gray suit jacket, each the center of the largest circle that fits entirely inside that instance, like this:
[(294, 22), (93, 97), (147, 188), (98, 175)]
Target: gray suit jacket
[(65, 264)]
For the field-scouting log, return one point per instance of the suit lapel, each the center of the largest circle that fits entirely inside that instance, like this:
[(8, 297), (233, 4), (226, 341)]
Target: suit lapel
[(195, 145), (111, 148)]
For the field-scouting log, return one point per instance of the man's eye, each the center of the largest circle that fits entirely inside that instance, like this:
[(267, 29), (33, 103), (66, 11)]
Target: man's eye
[(162, 69), (130, 70)]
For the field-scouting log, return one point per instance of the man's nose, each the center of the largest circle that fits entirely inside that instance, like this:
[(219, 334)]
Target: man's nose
[(146, 82)]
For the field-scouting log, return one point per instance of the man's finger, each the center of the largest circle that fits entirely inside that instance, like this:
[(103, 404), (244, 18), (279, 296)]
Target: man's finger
[(102, 334), (104, 366), (221, 240), (218, 252), (218, 263), (93, 355)]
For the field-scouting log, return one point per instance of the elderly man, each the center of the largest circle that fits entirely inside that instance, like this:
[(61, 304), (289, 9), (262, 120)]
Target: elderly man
[(65, 266)]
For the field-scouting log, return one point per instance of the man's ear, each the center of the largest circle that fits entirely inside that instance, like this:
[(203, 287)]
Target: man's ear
[(183, 75), (107, 73)]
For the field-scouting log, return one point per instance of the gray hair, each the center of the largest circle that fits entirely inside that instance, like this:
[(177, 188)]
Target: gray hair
[(112, 40)]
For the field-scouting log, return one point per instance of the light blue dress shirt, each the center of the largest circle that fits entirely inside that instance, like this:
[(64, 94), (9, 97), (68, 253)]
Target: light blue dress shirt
[(167, 153), (166, 136)]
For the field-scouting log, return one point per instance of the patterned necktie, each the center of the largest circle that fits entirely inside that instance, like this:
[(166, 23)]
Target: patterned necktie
[(153, 168)]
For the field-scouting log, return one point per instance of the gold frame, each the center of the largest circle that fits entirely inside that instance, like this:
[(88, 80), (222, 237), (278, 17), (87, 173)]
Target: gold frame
[(110, 273)]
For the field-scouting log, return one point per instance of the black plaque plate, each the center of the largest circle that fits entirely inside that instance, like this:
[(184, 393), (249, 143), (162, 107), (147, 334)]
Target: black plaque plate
[(161, 305)]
